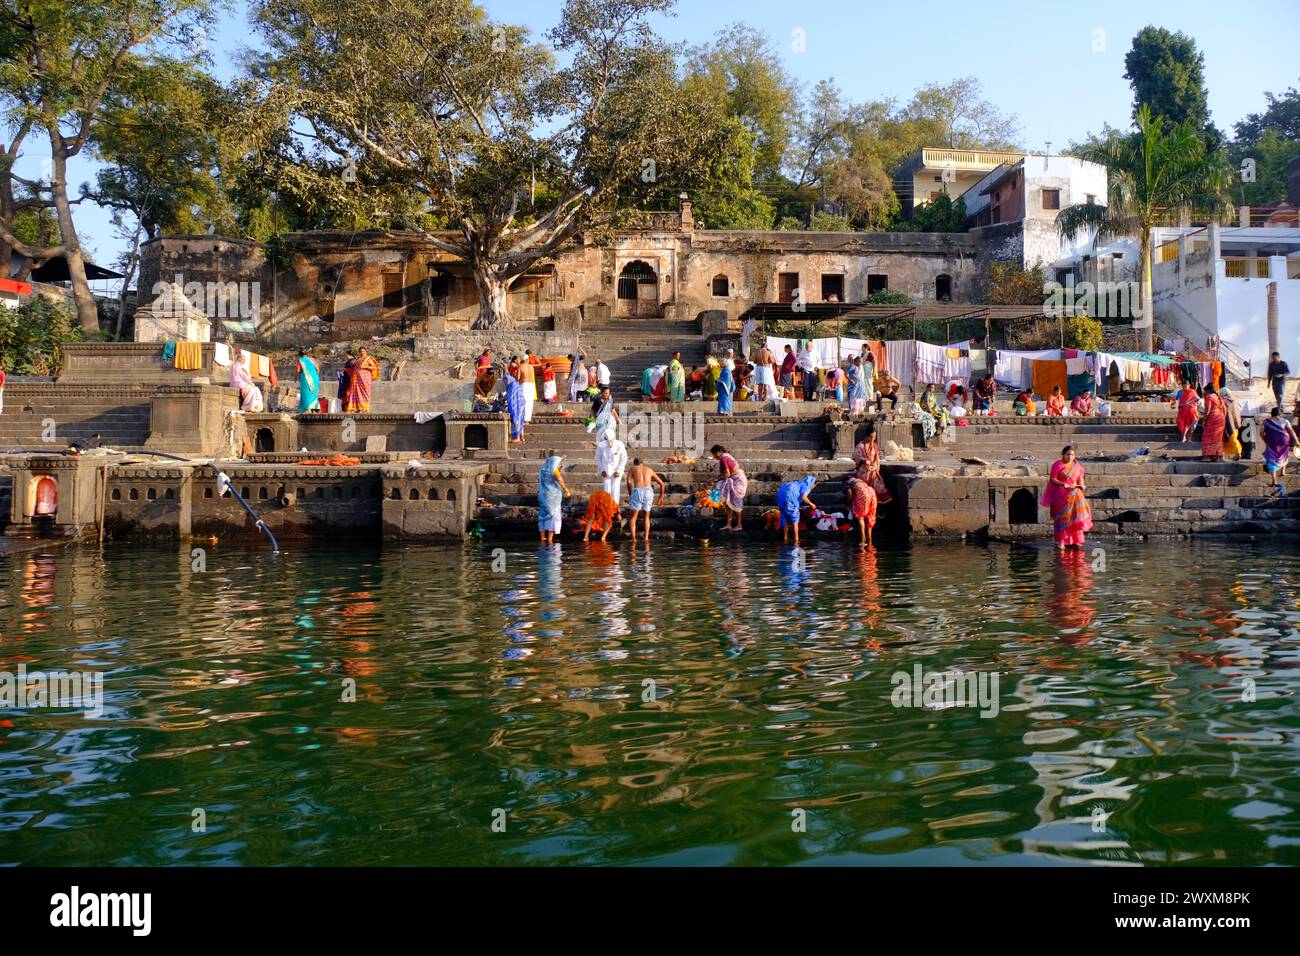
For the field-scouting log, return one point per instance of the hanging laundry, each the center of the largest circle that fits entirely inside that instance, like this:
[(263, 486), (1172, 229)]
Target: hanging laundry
[(169, 352), (1189, 374), (1015, 368), (900, 359), (270, 372), (956, 366), (878, 350), (826, 353), (1049, 374), (850, 349), (1076, 365), (221, 354), (1078, 384), (189, 355), (777, 346), (930, 361), (979, 360)]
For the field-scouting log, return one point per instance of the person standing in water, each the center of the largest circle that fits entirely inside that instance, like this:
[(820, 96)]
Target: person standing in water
[(641, 479), (790, 499)]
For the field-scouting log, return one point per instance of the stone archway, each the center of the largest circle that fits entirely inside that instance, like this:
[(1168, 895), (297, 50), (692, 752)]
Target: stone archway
[(638, 290)]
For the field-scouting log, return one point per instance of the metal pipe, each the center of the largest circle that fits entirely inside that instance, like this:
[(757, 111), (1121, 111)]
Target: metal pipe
[(224, 480)]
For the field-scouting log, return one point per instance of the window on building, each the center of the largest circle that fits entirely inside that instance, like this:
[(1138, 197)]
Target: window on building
[(877, 283), (943, 288), (832, 288), (1051, 199), (721, 286), (938, 179), (786, 283), (996, 214), (394, 287)]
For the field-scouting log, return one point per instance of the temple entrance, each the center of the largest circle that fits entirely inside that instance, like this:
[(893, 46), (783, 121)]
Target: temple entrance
[(638, 290)]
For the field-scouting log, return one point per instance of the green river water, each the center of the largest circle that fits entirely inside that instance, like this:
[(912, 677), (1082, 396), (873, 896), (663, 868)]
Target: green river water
[(683, 705)]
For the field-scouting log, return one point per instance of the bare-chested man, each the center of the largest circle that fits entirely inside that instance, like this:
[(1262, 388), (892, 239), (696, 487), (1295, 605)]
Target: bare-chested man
[(641, 479)]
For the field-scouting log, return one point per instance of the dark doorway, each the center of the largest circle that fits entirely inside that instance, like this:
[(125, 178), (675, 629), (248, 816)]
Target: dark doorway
[(439, 293), (265, 441), (878, 283), (1023, 507), (394, 290), (786, 284), (943, 288), (476, 436)]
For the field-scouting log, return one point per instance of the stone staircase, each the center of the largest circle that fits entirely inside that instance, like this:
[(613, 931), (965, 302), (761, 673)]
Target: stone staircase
[(630, 346), (119, 413)]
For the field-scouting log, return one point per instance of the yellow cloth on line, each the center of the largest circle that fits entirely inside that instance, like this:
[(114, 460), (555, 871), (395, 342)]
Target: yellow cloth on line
[(1049, 373), (953, 353), (189, 355)]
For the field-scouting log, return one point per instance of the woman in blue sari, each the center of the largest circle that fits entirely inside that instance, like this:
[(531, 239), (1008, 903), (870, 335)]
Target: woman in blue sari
[(517, 407), (551, 490), (726, 389), (308, 383), (790, 499)]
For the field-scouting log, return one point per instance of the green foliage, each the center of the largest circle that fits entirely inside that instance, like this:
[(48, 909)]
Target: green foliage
[(1167, 73), (1282, 117), (1271, 154), (791, 224), (1082, 332), (940, 214), (1010, 283), (888, 297), (827, 222), (32, 336)]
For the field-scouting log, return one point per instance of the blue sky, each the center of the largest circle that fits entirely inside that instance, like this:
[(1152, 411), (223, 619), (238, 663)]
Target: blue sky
[(1058, 66)]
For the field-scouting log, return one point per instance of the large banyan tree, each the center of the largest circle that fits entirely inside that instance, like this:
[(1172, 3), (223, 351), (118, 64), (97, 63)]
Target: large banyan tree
[(426, 115)]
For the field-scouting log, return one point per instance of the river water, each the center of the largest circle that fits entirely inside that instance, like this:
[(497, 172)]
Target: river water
[(734, 704)]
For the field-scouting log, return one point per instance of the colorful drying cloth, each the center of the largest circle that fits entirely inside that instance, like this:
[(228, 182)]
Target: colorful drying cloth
[(189, 355), (169, 352), (1049, 374), (1078, 384)]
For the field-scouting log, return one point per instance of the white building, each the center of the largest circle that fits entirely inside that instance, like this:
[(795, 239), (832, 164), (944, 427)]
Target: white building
[(1213, 281), (1020, 202)]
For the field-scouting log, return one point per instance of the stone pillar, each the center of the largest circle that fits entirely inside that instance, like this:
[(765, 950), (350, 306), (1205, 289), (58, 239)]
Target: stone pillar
[(77, 485), (190, 419)]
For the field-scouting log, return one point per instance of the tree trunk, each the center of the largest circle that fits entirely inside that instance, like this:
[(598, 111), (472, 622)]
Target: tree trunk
[(132, 260), (87, 311), (493, 307), (1145, 324)]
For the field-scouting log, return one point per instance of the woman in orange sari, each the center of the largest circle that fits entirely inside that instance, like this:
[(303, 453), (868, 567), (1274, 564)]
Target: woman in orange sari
[(1071, 515), (601, 514), (1186, 401), (362, 370), (1056, 402), (1216, 417)]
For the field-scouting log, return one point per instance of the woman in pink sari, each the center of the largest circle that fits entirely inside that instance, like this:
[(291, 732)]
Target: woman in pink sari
[(250, 396), (1071, 515), (1216, 417), (867, 457), (362, 370), (1082, 404), (733, 484)]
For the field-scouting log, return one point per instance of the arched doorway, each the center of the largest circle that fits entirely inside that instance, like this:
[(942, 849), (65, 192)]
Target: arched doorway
[(1023, 507), (638, 290)]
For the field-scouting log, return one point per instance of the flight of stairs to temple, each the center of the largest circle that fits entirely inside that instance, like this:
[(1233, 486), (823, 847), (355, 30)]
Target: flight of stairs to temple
[(629, 347), (119, 413)]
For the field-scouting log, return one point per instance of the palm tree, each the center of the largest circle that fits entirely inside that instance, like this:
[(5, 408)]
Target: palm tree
[(1157, 167)]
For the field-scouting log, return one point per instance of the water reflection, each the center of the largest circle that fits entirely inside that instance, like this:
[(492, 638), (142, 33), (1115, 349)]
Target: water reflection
[(668, 703)]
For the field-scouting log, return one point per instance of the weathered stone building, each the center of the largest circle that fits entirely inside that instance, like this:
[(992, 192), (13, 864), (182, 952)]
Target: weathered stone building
[(351, 285)]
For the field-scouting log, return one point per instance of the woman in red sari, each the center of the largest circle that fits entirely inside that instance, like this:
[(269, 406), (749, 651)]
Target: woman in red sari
[(1216, 417), (1186, 401), (867, 458), (1071, 515)]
